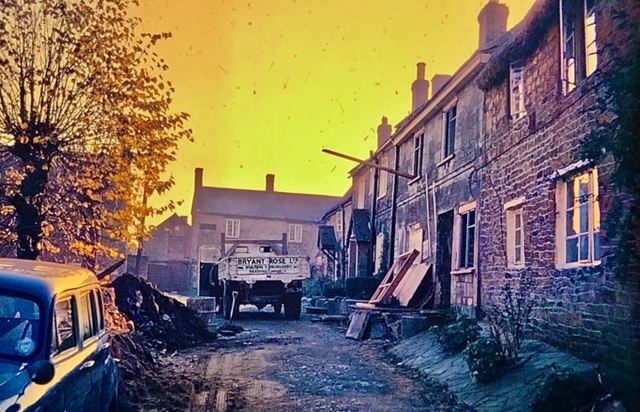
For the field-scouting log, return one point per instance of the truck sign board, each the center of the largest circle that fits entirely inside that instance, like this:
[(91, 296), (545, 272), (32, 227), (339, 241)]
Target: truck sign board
[(271, 265)]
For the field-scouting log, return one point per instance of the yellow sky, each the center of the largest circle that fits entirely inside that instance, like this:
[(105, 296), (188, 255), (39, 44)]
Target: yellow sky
[(269, 83)]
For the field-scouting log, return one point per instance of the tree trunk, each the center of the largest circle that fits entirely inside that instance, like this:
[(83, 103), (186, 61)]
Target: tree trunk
[(29, 214)]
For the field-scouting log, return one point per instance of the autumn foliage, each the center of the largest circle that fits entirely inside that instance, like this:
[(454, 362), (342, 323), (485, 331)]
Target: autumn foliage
[(86, 128)]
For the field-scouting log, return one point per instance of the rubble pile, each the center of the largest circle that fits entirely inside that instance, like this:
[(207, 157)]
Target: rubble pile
[(164, 322), (146, 383)]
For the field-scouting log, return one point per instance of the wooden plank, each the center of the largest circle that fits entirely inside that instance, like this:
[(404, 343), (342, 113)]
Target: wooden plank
[(408, 286), (358, 324), (393, 277)]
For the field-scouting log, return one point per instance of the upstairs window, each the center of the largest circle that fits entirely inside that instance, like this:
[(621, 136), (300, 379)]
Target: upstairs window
[(384, 178), (232, 228), (361, 192), (418, 143), (339, 225), (449, 131), (578, 41), (516, 81), (295, 233)]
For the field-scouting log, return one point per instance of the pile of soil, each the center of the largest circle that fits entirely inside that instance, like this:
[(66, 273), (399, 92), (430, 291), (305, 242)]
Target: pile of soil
[(164, 322), (148, 383)]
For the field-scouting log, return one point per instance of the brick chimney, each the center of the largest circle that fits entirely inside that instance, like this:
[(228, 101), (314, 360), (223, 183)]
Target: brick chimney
[(420, 88), (384, 131), (438, 81), (493, 22), (271, 183), (198, 177)]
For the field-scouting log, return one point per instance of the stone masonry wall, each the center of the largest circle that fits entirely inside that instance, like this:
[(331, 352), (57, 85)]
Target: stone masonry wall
[(586, 310)]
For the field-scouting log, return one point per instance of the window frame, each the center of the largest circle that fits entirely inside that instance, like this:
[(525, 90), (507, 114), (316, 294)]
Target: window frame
[(93, 321), (449, 131), (517, 101), (295, 229), (384, 178), (576, 42), (418, 154), (513, 210), (593, 232), (229, 231), (460, 256)]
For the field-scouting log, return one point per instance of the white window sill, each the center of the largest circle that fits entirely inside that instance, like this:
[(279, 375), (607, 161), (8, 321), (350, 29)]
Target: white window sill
[(446, 160), (380, 197), (516, 267), (516, 119), (465, 271), (576, 265)]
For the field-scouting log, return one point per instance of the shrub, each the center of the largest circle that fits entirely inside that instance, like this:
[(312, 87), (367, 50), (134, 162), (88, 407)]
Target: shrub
[(455, 337), (564, 390), (324, 287), (510, 321), (485, 359)]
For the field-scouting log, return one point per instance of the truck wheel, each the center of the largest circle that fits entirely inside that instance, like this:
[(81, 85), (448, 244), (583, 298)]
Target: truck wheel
[(293, 307), (277, 308)]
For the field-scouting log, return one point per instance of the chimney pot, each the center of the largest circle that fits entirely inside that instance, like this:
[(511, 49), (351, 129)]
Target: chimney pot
[(419, 88), (384, 131), (271, 183)]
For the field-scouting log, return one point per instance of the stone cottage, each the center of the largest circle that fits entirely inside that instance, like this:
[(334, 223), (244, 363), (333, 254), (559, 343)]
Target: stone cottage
[(542, 204)]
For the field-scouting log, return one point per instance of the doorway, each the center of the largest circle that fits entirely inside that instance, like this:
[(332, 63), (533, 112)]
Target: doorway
[(444, 252)]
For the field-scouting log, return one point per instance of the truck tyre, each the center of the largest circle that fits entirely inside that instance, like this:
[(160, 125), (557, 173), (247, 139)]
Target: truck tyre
[(277, 308), (227, 301), (292, 306)]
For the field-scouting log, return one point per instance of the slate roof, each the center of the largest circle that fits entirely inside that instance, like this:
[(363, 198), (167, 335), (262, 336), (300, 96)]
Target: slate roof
[(360, 221), (327, 238), (262, 204)]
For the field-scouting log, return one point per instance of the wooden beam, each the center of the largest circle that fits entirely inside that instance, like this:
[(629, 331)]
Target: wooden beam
[(370, 164)]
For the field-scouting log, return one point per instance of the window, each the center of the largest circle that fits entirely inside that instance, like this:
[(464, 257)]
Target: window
[(384, 178), (233, 228), (88, 322), (516, 80), (466, 237), (208, 226), (578, 221), (379, 251), (418, 143), (339, 225), (20, 323), (515, 234), (372, 176), (100, 309), (415, 239), (578, 44), (295, 233), (449, 131), (64, 326), (360, 193)]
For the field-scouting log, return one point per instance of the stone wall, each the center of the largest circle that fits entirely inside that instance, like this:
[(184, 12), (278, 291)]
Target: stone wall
[(585, 310)]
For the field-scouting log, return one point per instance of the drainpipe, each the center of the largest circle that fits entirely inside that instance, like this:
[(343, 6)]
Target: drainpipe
[(374, 201), (394, 195)]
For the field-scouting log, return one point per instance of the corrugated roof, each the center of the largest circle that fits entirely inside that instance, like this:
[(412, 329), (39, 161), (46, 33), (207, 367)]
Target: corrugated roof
[(263, 204)]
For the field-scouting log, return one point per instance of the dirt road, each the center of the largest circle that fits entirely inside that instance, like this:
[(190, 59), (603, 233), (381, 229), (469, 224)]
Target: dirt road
[(277, 365)]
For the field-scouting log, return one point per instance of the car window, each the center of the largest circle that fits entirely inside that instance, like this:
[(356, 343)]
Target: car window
[(19, 325), (100, 309), (88, 322), (64, 326)]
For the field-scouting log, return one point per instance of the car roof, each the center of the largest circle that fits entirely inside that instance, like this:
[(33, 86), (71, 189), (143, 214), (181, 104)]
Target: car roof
[(43, 279)]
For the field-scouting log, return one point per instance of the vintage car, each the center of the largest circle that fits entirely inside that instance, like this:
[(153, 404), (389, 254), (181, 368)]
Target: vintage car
[(55, 352)]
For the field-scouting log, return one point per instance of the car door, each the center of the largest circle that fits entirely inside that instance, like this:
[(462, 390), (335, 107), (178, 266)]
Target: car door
[(105, 373), (70, 360)]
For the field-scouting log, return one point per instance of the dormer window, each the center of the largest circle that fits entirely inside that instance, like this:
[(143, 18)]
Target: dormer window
[(578, 41), (516, 82)]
